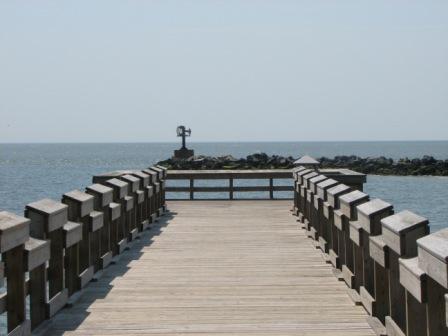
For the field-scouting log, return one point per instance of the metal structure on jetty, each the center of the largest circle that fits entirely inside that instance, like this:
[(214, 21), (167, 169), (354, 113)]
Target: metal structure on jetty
[(112, 259), (183, 153)]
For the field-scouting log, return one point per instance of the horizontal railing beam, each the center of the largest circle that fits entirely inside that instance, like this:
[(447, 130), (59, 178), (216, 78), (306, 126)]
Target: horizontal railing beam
[(227, 174), (228, 189)]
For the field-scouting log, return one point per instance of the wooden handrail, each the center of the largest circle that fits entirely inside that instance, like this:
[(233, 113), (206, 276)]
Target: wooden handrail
[(390, 262), (63, 245), (352, 178)]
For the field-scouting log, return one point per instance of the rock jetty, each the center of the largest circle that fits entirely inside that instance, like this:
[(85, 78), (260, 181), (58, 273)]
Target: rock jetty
[(427, 165)]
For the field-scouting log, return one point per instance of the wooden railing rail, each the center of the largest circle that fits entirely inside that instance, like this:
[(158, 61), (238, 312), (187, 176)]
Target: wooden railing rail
[(389, 261), (231, 176), (64, 245)]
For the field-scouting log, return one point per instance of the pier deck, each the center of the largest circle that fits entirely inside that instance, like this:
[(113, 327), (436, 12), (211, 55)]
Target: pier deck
[(217, 268)]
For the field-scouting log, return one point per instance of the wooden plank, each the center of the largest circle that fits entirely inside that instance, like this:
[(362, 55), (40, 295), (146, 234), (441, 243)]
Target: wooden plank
[(217, 268)]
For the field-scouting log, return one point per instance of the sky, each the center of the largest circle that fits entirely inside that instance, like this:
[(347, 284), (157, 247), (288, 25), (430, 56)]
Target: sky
[(247, 70)]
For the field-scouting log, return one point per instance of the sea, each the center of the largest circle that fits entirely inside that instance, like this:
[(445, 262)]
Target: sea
[(29, 172)]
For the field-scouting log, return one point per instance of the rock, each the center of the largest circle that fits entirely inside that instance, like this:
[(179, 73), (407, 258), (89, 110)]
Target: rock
[(427, 165)]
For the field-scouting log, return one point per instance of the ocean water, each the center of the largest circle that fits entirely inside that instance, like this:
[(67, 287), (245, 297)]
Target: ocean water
[(29, 172)]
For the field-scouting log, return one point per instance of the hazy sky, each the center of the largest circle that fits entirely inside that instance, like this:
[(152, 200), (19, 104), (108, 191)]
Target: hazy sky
[(119, 71)]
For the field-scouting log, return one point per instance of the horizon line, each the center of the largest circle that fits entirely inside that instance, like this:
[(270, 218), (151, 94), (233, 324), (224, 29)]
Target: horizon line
[(213, 142)]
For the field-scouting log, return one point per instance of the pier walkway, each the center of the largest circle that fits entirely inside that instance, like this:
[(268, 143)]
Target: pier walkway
[(217, 268)]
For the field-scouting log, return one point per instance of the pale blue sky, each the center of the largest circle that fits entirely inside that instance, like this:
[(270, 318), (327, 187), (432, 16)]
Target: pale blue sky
[(124, 71)]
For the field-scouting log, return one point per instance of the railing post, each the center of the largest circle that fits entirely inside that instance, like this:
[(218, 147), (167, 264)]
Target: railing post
[(333, 204), (191, 189), (306, 199), (152, 215), (158, 191), (48, 219), (271, 188), (231, 188), (369, 274), (296, 189), (80, 209), (301, 195), (323, 221), (160, 174), (155, 196), (164, 171), (14, 232), (132, 206), (37, 254), (347, 250), (433, 260), (118, 232), (144, 206), (314, 208), (103, 197), (400, 232)]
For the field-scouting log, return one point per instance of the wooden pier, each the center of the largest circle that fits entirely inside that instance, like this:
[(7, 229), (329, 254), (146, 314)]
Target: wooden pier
[(111, 260), (218, 268)]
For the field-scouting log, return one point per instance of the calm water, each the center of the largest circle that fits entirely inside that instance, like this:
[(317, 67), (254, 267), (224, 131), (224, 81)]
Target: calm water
[(29, 172)]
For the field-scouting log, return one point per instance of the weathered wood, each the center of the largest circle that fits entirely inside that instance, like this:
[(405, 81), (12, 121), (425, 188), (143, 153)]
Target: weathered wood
[(96, 223), (324, 222), (14, 233), (226, 174), (371, 213), (155, 198), (103, 197), (299, 175), (57, 302), (37, 252), (227, 189), (145, 207), (260, 276), (191, 189), (349, 253), (231, 188), (400, 232), (72, 234), (81, 205), (432, 260), (413, 278), (134, 209), (118, 234), (15, 274), (160, 187), (433, 256), (56, 265), (48, 217)]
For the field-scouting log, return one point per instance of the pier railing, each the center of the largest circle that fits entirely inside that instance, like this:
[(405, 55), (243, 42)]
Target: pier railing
[(65, 244), (354, 179), (389, 261)]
